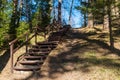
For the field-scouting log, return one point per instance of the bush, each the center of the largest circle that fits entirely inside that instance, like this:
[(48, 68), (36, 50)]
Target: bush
[(4, 36), (22, 29)]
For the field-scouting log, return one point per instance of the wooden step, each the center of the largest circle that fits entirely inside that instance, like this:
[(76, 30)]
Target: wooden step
[(29, 68), (47, 46), (44, 46), (54, 38), (48, 43), (31, 62), (39, 47), (39, 53), (39, 50), (34, 57)]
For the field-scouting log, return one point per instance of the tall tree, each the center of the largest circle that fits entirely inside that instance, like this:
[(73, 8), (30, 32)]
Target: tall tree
[(84, 10), (90, 14), (110, 23), (14, 20), (44, 10), (59, 11), (29, 13), (71, 11), (54, 8), (105, 18)]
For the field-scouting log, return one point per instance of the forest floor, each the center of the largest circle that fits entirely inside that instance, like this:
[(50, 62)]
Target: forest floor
[(82, 55)]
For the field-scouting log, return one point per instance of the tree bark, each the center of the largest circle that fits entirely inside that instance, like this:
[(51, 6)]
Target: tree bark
[(70, 11), (29, 13), (90, 20), (90, 15), (85, 20), (14, 21), (106, 22), (110, 25), (59, 11)]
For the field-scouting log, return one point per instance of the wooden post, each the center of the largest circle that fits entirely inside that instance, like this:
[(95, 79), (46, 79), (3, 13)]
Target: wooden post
[(26, 43), (11, 56), (36, 36)]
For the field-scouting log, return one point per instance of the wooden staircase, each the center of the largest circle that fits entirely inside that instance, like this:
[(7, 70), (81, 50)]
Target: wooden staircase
[(33, 59)]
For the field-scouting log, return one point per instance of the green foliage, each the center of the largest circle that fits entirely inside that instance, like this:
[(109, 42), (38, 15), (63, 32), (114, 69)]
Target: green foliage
[(35, 20), (3, 35), (5, 11), (118, 4), (83, 9), (45, 12), (24, 27)]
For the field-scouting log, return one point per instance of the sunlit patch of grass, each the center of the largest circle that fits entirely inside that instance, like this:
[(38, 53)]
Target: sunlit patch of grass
[(97, 71), (99, 67), (2, 52), (39, 39), (92, 61), (101, 73), (91, 53)]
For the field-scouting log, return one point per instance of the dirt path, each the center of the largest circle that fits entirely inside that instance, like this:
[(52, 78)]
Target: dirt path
[(78, 58)]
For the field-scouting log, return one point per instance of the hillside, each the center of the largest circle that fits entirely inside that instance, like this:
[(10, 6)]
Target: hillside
[(83, 54)]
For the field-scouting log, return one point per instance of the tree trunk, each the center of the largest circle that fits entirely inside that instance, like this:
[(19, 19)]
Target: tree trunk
[(30, 19), (85, 20), (59, 11), (0, 3), (106, 22), (14, 21), (90, 20), (105, 17), (110, 26), (70, 11), (29, 13), (90, 15)]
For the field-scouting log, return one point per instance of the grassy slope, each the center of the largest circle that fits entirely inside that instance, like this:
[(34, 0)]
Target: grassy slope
[(5, 73), (84, 55)]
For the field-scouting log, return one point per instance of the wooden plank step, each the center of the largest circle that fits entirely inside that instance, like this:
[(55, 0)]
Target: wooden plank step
[(29, 68), (33, 57), (31, 62), (42, 49), (41, 57), (39, 53), (48, 43), (36, 57), (44, 46), (32, 54)]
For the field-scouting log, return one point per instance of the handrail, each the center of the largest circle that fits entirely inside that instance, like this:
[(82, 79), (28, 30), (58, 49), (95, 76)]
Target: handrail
[(13, 50), (12, 42), (23, 44)]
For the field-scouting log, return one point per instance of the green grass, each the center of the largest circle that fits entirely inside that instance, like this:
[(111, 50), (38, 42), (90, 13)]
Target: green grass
[(99, 67), (39, 39)]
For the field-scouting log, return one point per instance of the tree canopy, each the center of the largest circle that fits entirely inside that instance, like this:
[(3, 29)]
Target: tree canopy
[(19, 16)]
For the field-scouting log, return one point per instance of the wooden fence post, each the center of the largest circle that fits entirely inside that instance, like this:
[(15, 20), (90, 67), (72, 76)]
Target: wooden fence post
[(26, 42), (36, 36), (11, 56)]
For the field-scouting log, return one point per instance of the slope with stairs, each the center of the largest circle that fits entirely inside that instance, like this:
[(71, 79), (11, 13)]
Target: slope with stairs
[(33, 59)]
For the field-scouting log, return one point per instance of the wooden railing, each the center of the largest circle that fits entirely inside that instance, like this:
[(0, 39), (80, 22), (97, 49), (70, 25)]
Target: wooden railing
[(13, 49)]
